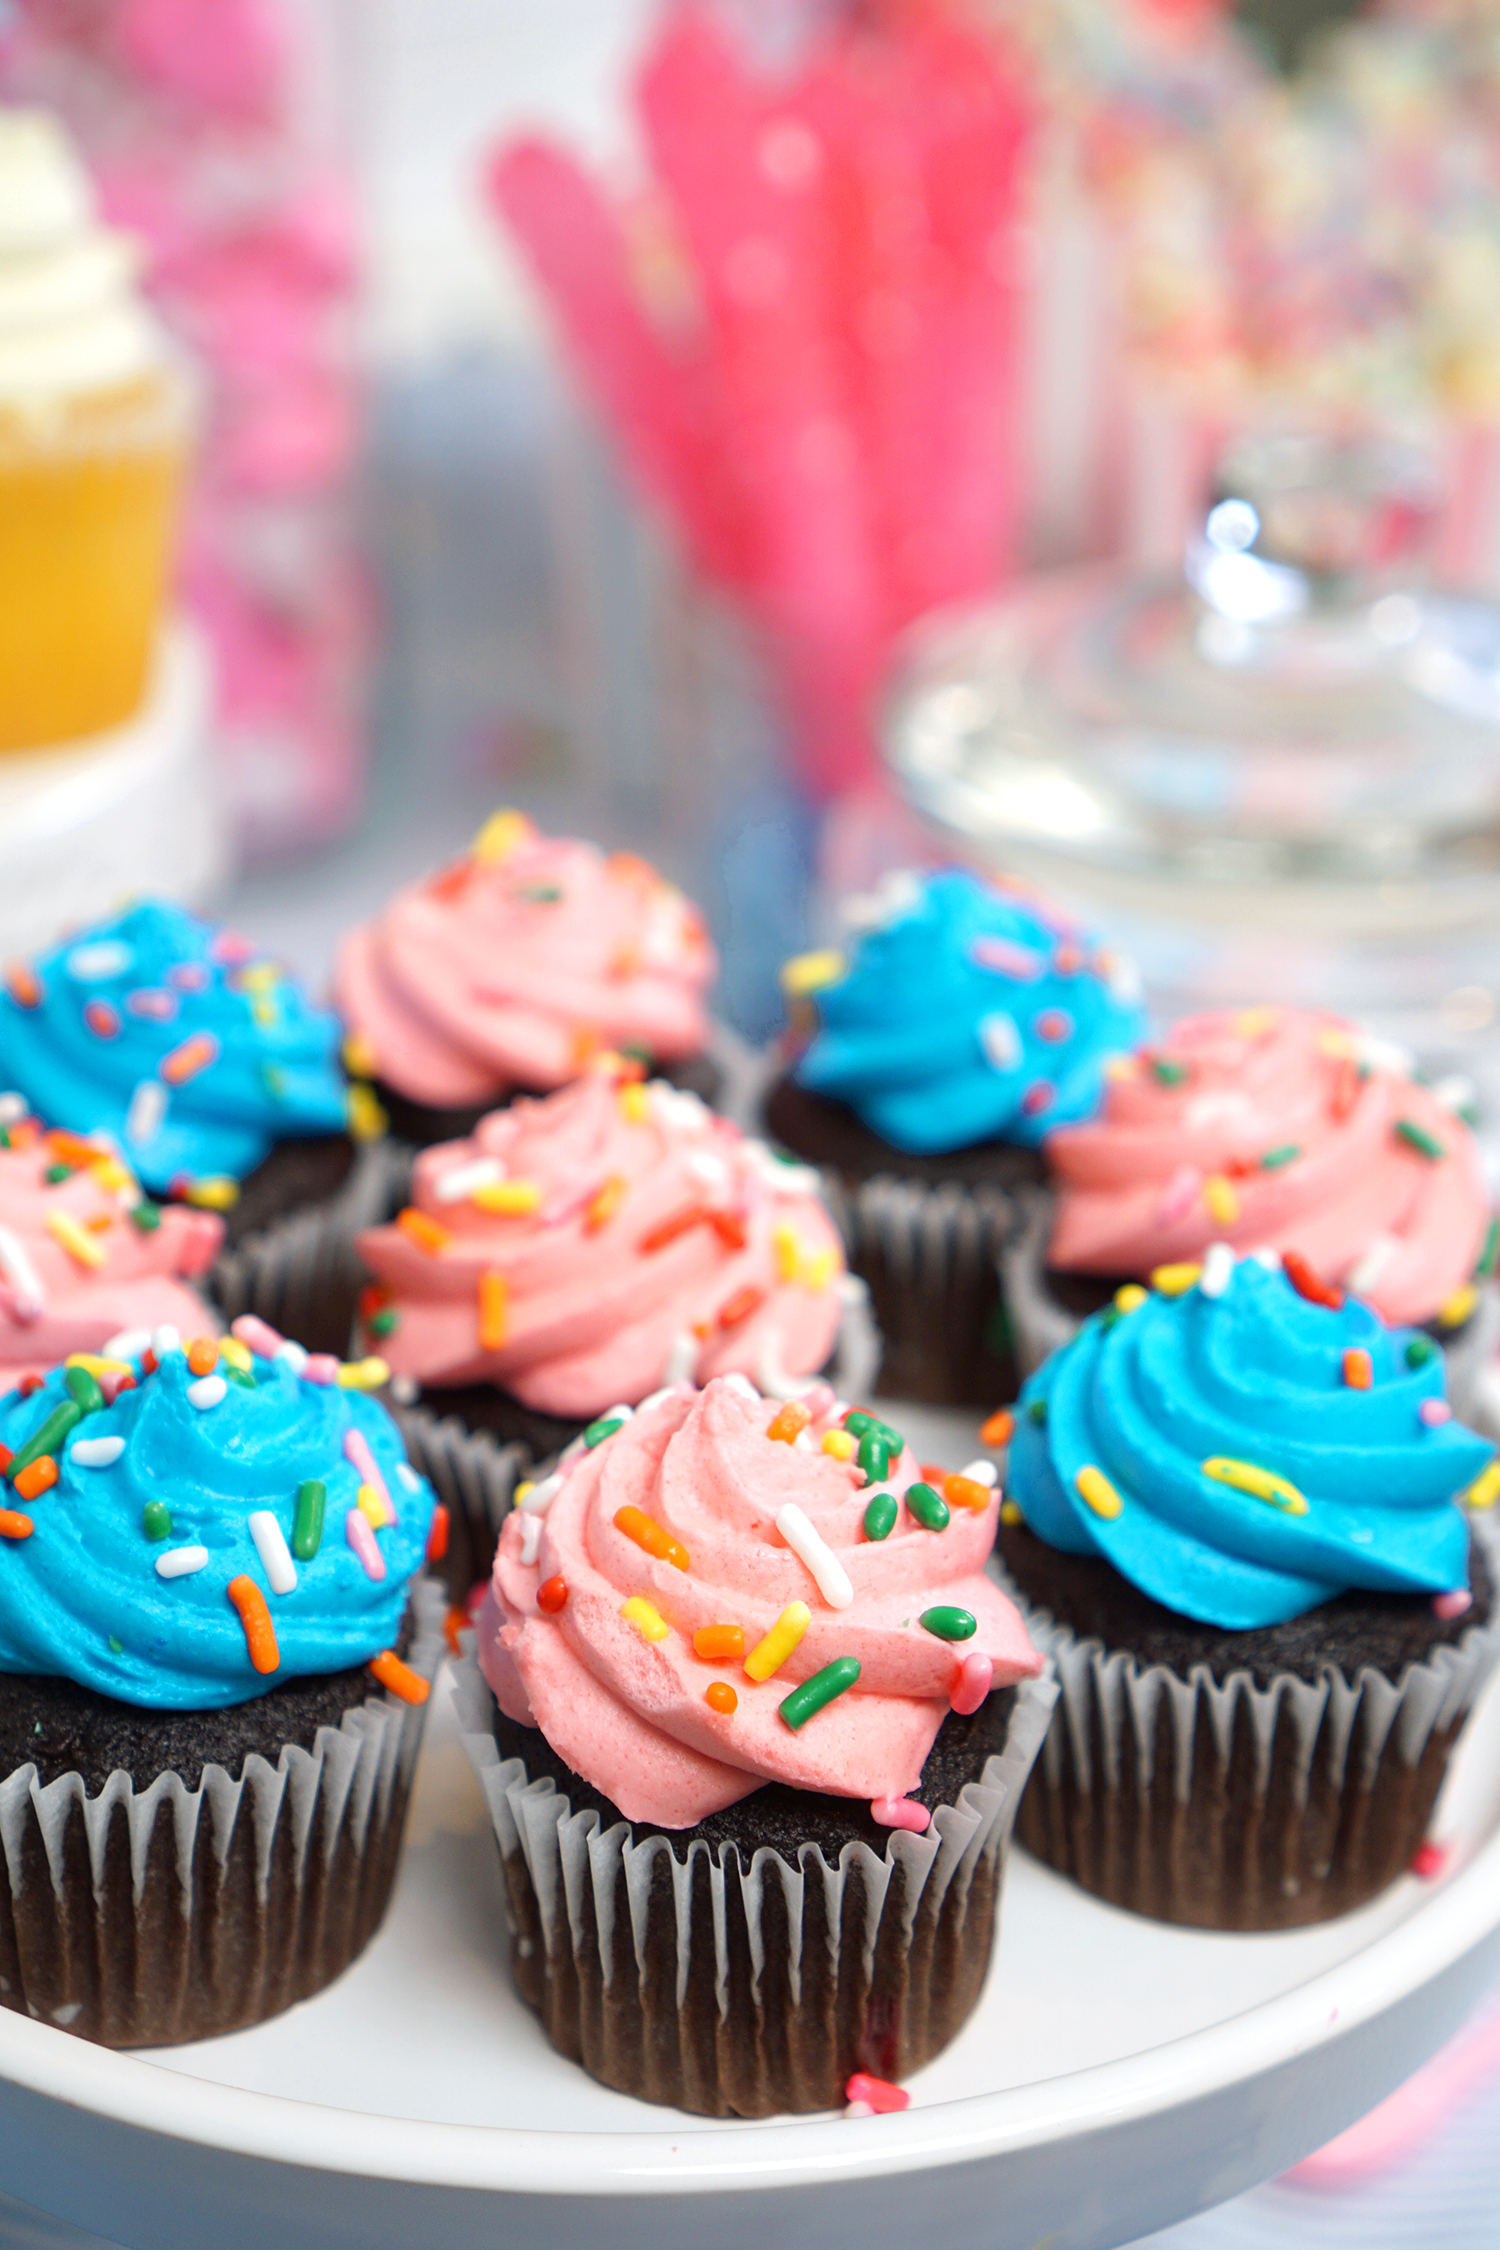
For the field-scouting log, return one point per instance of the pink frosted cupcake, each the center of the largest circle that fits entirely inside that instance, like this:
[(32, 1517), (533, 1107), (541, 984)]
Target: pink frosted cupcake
[(509, 971)]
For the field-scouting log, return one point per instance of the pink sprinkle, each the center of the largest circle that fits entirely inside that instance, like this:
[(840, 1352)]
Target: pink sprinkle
[(362, 1539), (1429, 1862), (1054, 1025), (1456, 1604), (189, 976), (230, 948), (976, 1676), (112, 1381), (321, 1367), (1038, 1097), (1007, 959), (257, 1335), (1179, 1195), (357, 1453), (1068, 959), (1434, 1412), (881, 2095), (154, 1005), (900, 1812)]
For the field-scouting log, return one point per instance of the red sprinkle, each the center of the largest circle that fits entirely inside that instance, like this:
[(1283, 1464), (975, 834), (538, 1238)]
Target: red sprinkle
[(1308, 1284), (28, 1384), (730, 1229), (552, 1595), (881, 2095), (1345, 1088), (740, 1306), (102, 1019), (1038, 1097), (6, 1458), (670, 1229), (1429, 1862), (437, 1538)]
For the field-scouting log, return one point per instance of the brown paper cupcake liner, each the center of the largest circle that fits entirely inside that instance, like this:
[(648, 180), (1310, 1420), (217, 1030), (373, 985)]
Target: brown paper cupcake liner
[(747, 1990), (302, 1274), (1231, 1806), (145, 1917)]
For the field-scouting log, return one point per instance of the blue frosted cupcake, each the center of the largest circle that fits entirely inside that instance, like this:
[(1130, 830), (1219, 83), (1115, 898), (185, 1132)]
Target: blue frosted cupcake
[(1233, 1519), (927, 1065), (213, 1663)]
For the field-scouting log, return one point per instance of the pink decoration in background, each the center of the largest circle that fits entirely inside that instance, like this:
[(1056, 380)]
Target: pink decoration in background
[(805, 336)]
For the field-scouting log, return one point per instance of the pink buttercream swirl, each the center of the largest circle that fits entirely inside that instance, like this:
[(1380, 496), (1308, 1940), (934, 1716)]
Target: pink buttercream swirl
[(512, 967), (1276, 1127), (628, 1712), (54, 1299), (639, 1238)]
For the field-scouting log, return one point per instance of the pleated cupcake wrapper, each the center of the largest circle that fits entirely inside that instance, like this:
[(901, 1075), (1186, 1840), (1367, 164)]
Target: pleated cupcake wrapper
[(302, 1273), (1041, 1325), (1148, 1739), (598, 1898), (143, 1917), (475, 1478)]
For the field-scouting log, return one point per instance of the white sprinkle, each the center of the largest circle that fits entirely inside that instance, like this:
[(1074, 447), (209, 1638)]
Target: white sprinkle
[(181, 1562), (1384, 1054), (292, 1355), (541, 1496), (531, 1537), (773, 1378), (678, 1109), (1000, 1040), (165, 1340), (405, 1390), (275, 1555), (458, 1183), (743, 1385), (659, 1398), (570, 1453), (16, 1265), (982, 1472), (616, 1414), (1456, 1092), (682, 1358), (106, 957), (1218, 1269), (209, 1390), (814, 1550), (705, 1166), (96, 1452), (408, 1476), (1367, 1270), (147, 1112), (1265, 1256), (13, 1107), (779, 1177), (130, 1343), (1122, 977)]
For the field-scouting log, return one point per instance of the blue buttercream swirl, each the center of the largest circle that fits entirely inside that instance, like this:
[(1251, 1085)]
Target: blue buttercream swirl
[(82, 1596), (967, 1016), (194, 1053), (1255, 1376)]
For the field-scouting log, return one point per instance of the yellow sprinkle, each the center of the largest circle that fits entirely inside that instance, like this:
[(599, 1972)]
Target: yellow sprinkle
[(112, 1175), (820, 1271), (1251, 1022), (257, 976), (265, 1011), (1261, 1484), (528, 1484), (372, 1507), (215, 1192), (635, 1104), (1485, 1490), (367, 1120), (364, 1374), (499, 836), (509, 1199), (1337, 1044), (1118, 1067), (1456, 1309), (1010, 1513), (1095, 1491), (1175, 1281), (76, 1240), (360, 1058), (98, 1367), (1223, 1203), (809, 972), (1130, 1297), (787, 1244), (842, 1444), (235, 1353), (769, 1655), (648, 1622)]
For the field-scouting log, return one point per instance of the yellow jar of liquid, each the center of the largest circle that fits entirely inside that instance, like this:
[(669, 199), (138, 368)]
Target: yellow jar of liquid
[(96, 420)]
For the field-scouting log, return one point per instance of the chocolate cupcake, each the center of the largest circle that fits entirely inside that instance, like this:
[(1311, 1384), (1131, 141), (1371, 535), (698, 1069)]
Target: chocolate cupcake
[(751, 1726), (1278, 1127), (968, 1022), (1232, 1524), (215, 1666), (509, 971)]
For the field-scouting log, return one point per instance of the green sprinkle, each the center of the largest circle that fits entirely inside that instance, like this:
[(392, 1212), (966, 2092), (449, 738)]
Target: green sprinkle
[(1110, 1317), (307, 1524), (633, 1051), (49, 1438), (1491, 1248), (857, 1421), (1420, 1350), (384, 1322), (146, 1216), (880, 1516), (83, 1389), (597, 1432), (1170, 1073), (949, 1624), (156, 1520), (240, 1375), (55, 1174), (860, 1424), (1417, 1136), (814, 1694), (5, 1142), (1038, 1411), (275, 1080), (874, 1457), (929, 1507), (117, 1646), (1274, 1158), (539, 894)]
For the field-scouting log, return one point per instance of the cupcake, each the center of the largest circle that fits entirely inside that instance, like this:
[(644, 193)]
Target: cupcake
[(581, 1250), (215, 1665), (1278, 1127), (509, 971), (751, 1726), (84, 1254), (96, 415), (1232, 1522), (967, 1023)]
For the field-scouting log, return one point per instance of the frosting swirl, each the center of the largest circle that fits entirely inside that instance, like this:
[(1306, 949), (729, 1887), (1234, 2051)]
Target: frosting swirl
[(108, 1593), (967, 1014), (515, 965), (1242, 1457), (589, 1246), (191, 1051), (611, 1674), (1275, 1126)]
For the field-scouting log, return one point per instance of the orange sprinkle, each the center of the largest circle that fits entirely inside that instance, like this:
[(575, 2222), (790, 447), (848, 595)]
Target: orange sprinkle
[(789, 1422), (424, 1232), (669, 1229), (22, 986), (260, 1633), (457, 1621), (72, 1148), (740, 1306), (999, 1429), (437, 1537), (729, 1228), (492, 1309), (188, 1060), (605, 1204), (1309, 1284), (966, 1492), (631, 867), (626, 963), (719, 1644), (552, 1595), (720, 1697), (203, 1355), (399, 1678), (37, 1477), (587, 1041), (13, 1525), (648, 1533), (1358, 1373)]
